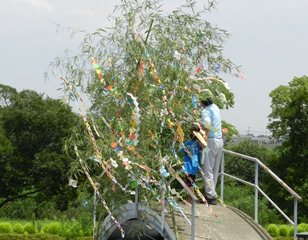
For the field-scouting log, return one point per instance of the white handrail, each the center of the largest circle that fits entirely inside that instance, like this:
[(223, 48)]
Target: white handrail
[(290, 190), (257, 188)]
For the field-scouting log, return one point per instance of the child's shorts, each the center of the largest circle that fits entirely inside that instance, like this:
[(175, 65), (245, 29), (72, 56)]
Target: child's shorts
[(187, 181)]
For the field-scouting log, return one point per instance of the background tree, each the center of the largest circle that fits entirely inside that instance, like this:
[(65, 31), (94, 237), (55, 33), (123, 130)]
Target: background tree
[(289, 124), (230, 133), (7, 95), (32, 161), (245, 169)]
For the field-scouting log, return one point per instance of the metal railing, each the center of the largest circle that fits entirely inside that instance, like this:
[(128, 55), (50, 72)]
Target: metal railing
[(193, 205), (258, 163)]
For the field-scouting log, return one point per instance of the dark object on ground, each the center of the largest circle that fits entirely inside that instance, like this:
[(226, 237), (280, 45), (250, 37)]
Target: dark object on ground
[(211, 201), (135, 230)]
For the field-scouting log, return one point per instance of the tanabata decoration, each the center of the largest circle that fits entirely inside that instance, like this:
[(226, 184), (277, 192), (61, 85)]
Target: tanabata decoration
[(99, 194), (134, 134), (144, 99), (194, 102), (73, 183), (241, 75), (217, 67), (224, 130)]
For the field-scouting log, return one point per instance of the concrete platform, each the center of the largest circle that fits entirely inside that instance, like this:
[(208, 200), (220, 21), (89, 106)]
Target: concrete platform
[(230, 224)]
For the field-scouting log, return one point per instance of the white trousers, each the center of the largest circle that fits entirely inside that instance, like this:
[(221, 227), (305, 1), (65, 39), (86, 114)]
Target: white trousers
[(211, 164)]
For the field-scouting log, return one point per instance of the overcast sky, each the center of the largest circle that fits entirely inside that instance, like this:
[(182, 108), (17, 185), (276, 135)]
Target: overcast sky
[(269, 40)]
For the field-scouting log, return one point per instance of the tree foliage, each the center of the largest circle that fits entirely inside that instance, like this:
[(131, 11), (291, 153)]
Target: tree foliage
[(32, 131), (231, 131), (289, 123), (245, 169)]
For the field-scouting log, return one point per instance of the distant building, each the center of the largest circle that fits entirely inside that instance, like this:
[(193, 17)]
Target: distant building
[(262, 140)]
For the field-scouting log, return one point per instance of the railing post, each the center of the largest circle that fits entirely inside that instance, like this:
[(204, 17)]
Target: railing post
[(136, 199), (163, 211), (295, 218), (222, 167), (94, 214), (256, 190), (192, 229)]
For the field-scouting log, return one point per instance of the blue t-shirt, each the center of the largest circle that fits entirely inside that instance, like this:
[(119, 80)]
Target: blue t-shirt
[(211, 114), (191, 164)]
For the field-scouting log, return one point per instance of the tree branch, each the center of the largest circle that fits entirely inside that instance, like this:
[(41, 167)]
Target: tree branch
[(11, 199)]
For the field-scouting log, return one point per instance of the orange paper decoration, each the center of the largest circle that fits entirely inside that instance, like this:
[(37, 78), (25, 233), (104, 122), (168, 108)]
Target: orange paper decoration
[(114, 144), (224, 130)]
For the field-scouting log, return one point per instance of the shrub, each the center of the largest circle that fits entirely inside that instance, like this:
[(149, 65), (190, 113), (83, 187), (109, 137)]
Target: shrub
[(18, 228), (88, 231), (300, 228), (303, 226), (38, 236), (291, 231), (6, 227), (272, 229), (30, 228), (68, 234), (77, 230), (283, 231), (52, 228)]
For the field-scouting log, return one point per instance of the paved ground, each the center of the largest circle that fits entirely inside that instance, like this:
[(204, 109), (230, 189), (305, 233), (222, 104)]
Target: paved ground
[(227, 224)]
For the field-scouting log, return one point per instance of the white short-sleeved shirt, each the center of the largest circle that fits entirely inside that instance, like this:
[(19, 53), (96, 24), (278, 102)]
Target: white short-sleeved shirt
[(211, 114)]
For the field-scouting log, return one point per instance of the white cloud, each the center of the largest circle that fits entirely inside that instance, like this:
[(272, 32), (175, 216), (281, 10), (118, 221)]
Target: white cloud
[(41, 5)]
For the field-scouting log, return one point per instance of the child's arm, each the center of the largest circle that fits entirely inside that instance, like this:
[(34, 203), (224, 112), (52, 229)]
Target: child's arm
[(201, 144)]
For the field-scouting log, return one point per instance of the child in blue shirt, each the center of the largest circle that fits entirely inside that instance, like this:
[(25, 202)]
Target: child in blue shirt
[(192, 154)]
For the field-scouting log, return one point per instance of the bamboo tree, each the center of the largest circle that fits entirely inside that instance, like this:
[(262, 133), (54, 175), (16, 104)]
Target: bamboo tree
[(140, 76)]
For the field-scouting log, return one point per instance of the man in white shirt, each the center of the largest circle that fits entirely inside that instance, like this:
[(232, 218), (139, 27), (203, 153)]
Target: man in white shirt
[(210, 115)]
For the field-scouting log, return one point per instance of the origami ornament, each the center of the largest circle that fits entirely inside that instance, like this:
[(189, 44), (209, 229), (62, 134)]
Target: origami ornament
[(226, 85), (217, 67), (135, 121), (164, 172), (113, 163), (114, 188), (180, 132), (73, 183), (194, 102), (114, 144), (224, 130), (241, 75)]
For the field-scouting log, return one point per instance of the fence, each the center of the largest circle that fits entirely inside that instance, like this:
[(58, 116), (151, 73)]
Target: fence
[(258, 163)]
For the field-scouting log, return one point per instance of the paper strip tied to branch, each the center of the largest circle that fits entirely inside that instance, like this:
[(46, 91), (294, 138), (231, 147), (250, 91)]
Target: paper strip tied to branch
[(134, 134)]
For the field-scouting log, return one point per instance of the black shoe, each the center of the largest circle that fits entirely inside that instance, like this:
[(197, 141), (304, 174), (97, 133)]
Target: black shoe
[(211, 201)]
